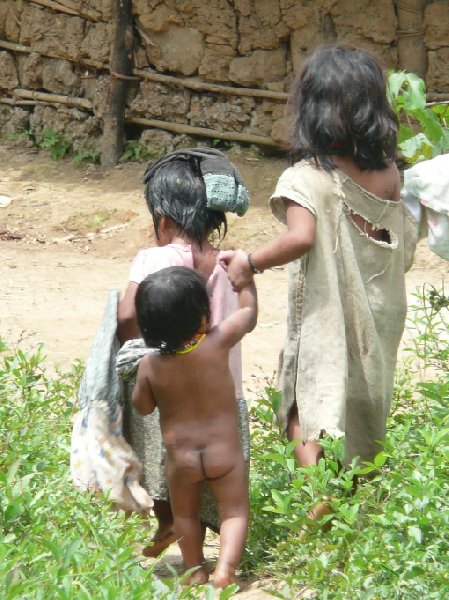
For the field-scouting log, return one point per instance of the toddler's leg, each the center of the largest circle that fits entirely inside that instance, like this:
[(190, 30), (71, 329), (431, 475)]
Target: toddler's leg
[(231, 494), (185, 501)]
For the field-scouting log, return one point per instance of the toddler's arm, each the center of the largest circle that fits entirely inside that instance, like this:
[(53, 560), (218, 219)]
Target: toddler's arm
[(290, 245), (143, 400), (243, 320)]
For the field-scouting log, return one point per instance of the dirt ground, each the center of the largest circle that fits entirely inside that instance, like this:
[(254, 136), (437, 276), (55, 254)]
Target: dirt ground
[(69, 234)]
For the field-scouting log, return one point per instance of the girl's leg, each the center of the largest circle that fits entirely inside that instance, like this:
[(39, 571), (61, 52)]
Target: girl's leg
[(306, 454), (231, 494), (165, 534)]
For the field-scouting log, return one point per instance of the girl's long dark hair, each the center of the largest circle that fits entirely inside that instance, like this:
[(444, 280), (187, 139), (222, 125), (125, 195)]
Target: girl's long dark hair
[(177, 190), (339, 106)]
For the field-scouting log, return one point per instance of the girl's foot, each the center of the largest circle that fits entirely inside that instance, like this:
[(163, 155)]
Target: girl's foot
[(223, 579), (161, 541), (314, 516), (199, 577)]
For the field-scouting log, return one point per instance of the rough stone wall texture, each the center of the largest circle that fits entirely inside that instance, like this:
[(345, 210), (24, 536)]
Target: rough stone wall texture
[(255, 44)]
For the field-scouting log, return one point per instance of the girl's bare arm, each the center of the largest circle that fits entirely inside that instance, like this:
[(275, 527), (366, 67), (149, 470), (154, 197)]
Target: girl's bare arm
[(242, 321), (127, 328), (143, 400), (290, 245)]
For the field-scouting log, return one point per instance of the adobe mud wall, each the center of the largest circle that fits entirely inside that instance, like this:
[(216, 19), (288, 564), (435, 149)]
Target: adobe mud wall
[(219, 69)]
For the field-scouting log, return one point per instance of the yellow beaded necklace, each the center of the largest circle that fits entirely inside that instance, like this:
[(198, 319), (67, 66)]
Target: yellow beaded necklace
[(191, 344)]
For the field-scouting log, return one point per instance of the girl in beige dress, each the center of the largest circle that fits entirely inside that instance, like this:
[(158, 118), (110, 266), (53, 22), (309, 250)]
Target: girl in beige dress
[(348, 242)]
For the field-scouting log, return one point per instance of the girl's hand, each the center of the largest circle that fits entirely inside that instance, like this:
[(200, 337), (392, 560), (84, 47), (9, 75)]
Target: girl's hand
[(225, 258), (239, 272)]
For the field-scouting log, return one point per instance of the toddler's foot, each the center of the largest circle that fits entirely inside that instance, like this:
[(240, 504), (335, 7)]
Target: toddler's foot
[(199, 577), (161, 541), (223, 579)]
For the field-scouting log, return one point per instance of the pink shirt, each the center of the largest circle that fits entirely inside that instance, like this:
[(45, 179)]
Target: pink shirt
[(223, 300)]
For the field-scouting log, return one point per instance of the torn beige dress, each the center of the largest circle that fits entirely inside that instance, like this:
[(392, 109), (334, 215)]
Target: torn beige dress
[(346, 309)]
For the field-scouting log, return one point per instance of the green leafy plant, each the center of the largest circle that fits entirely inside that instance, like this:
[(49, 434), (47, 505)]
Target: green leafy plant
[(58, 145), (388, 536), (428, 329), (57, 542), (424, 129), (136, 151), (99, 219), (25, 134), (88, 153)]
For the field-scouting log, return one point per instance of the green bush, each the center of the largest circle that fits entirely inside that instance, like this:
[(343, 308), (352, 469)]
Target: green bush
[(57, 542), (390, 537), (423, 129)]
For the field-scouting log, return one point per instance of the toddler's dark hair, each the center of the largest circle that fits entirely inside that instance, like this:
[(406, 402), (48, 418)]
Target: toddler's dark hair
[(340, 107), (177, 190), (170, 306)]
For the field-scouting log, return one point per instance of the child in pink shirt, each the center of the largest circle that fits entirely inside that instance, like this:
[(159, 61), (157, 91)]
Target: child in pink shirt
[(187, 192)]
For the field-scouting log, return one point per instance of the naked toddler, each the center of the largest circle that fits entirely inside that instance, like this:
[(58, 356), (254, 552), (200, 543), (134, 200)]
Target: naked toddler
[(189, 380)]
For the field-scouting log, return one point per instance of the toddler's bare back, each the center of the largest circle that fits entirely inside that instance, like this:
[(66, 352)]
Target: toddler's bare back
[(195, 394)]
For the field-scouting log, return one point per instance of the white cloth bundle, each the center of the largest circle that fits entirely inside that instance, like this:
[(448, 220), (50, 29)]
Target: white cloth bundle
[(426, 193)]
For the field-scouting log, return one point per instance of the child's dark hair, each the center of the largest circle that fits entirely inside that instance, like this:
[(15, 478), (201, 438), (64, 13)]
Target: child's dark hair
[(170, 306), (177, 190), (340, 107)]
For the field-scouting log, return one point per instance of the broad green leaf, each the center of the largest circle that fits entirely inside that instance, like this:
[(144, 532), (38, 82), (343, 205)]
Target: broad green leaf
[(12, 470), (396, 80), (380, 459), (430, 124), (415, 533), (404, 133), (415, 95), (228, 592), (416, 148)]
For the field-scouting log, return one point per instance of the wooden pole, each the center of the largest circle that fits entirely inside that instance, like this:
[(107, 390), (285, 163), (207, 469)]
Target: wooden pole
[(82, 103), (204, 132), (70, 8), (28, 50), (120, 75), (202, 86), (411, 50)]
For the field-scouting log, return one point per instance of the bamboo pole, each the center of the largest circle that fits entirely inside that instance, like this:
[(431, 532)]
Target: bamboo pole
[(436, 98), (82, 11), (194, 84), (120, 73), (15, 47), (46, 98), (235, 136), (69, 8), (411, 49), (203, 132), (17, 102), (28, 50), (82, 103), (54, 6)]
